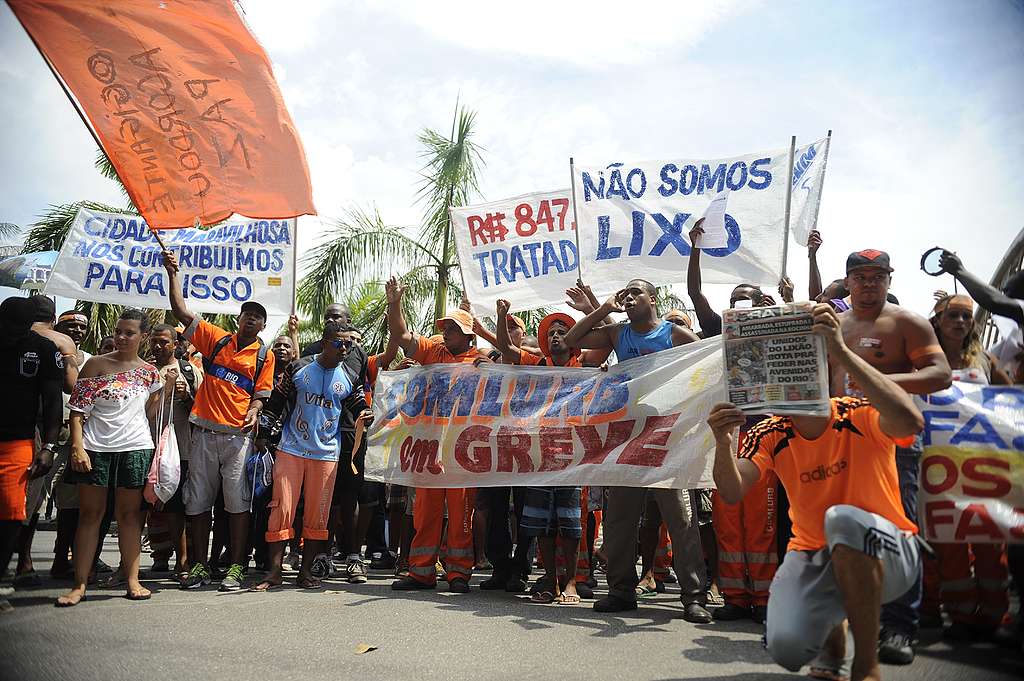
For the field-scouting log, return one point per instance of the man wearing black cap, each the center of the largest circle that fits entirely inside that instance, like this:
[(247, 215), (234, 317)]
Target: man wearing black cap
[(31, 369), (239, 377), (903, 346)]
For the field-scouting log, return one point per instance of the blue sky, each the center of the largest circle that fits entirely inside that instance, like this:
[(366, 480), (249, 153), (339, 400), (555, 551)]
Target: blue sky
[(925, 100)]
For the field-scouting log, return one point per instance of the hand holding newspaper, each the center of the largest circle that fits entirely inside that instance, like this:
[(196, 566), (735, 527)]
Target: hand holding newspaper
[(774, 364)]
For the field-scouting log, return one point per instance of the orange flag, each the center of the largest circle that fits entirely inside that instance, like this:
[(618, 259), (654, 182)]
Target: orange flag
[(183, 101)]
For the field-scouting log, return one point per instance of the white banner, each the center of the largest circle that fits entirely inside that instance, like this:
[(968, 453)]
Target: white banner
[(634, 219), (522, 249), (114, 258), (972, 470), (808, 180), (640, 424)]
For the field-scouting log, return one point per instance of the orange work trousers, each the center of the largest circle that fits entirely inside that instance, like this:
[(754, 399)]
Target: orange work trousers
[(428, 519), (662, 555), (980, 596), (747, 552)]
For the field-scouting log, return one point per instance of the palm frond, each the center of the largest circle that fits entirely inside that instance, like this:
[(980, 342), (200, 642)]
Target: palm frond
[(228, 322), (355, 247), (9, 231), (49, 231), (450, 174), (108, 171)]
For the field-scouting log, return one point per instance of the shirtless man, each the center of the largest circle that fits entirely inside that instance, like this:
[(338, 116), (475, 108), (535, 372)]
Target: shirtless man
[(903, 346)]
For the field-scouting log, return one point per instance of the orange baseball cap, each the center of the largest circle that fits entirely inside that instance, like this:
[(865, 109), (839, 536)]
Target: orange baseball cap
[(545, 324), (518, 321), (463, 319)]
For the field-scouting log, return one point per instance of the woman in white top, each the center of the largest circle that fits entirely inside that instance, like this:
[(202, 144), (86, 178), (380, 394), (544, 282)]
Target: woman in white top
[(113, 448), (972, 577)]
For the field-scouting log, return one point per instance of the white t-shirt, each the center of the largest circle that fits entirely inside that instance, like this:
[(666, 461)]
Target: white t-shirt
[(1007, 350), (115, 409)]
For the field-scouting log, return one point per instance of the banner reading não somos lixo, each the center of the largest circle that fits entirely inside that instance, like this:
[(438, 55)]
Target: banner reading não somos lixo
[(640, 424), (634, 218), (522, 249), (972, 471), (115, 258)]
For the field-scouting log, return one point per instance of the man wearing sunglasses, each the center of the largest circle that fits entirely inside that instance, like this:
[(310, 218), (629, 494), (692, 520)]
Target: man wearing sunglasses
[(314, 396)]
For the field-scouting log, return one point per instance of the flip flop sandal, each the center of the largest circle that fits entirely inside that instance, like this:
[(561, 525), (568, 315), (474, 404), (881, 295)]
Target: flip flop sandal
[(311, 583), (543, 598), (644, 591), (827, 673), (568, 599), (270, 586), (138, 596)]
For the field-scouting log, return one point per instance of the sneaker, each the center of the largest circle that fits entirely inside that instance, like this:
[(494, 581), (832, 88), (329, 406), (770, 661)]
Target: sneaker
[(198, 576), (894, 648), (292, 561), (356, 572), (233, 579), (385, 561), (671, 578), (960, 632), (321, 567), (696, 613), (731, 612), (759, 613), (457, 585), (410, 584), (102, 567), (614, 604), (6, 590), (584, 590)]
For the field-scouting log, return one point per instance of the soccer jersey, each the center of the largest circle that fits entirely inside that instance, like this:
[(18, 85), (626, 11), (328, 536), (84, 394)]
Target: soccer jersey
[(852, 462), (319, 400)]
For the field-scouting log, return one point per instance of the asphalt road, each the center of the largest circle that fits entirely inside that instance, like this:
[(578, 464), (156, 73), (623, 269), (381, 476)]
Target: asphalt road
[(292, 634)]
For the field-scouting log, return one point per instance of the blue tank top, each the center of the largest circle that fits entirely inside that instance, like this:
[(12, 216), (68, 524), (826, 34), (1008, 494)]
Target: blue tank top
[(631, 344)]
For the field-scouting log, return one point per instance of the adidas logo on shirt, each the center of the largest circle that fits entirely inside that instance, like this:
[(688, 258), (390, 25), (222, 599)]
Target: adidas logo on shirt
[(823, 472)]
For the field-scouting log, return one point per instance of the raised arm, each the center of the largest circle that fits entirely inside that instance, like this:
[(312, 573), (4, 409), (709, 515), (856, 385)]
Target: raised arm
[(989, 297), (584, 335), (898, 416), (733, 476), (509, 352), (178, 307), (710, 321), (814, 287), (397, 329)]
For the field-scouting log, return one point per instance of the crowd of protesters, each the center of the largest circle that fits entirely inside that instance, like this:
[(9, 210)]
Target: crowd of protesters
[(810, 561)]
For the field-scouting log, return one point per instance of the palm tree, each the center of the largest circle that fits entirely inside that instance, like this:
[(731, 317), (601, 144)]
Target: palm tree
[(360, 247)]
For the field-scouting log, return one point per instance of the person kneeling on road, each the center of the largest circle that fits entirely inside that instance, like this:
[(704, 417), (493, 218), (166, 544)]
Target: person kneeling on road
[(853, 547)]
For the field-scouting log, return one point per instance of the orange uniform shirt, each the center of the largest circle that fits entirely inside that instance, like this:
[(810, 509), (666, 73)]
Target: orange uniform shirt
[(434, 352), (372, 369), (852, 462), (221, 403), (528, 359)]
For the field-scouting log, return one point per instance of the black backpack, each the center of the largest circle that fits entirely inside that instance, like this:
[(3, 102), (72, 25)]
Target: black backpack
[(261, 358)]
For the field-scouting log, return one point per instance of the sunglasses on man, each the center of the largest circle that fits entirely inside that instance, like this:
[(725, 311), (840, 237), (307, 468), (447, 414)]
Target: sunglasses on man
[(340, 344)]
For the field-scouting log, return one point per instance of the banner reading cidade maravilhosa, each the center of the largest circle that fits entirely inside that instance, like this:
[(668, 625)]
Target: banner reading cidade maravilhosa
[(642, 423), (634, 219), (972, 470), (522, 249), (115, 258)]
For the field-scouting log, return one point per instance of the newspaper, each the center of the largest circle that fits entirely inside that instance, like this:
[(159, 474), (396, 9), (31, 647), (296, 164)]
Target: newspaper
[(773, 361)]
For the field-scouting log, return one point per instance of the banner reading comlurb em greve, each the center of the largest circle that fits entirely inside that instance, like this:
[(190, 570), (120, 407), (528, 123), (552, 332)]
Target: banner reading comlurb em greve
[(114, 258), (522, 249), (634, 218), (640, 424), (972, 471)]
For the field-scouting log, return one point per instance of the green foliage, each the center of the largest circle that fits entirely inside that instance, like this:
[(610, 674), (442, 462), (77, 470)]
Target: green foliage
[(49, 231)]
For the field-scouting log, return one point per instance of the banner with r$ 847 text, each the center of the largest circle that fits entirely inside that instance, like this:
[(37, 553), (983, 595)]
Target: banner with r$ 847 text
[(115, 258), (972, 470), (640, 424)]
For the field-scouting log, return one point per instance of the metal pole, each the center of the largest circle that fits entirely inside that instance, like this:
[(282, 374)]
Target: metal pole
[(575, 222), (789, 199)]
